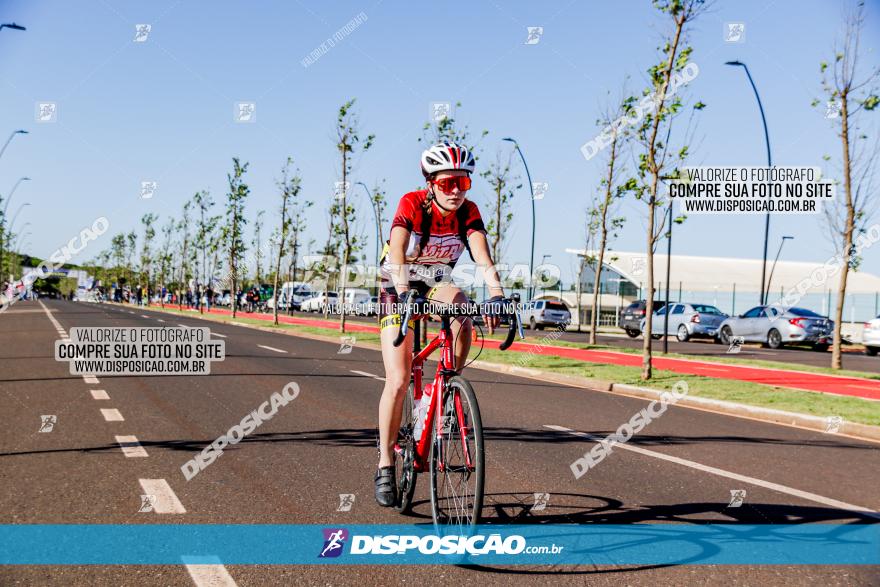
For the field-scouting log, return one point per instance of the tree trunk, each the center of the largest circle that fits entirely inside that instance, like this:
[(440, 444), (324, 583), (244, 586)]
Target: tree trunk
[(346, 247), (847, 234)]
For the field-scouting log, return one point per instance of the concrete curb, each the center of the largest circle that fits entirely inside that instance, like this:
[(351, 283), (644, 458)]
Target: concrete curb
[(806, 421)]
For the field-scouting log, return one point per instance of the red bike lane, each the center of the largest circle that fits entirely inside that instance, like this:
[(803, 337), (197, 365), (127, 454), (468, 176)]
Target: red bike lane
[(832, 384)]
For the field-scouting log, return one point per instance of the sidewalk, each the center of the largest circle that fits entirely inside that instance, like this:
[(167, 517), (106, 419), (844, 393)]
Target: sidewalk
[(831, 384)]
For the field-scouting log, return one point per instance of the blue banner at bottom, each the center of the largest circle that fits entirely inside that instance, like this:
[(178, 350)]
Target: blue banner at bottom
[(636, 544)]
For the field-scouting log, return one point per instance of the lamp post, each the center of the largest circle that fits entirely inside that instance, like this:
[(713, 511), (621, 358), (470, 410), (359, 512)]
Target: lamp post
[(12, 134), (14, 216), (532, 192), (773, 268), (12, 191), (375, 208), (769, 164), (3, 217)]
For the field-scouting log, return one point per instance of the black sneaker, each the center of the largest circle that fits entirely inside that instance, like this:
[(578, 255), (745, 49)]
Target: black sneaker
[(385, 486)]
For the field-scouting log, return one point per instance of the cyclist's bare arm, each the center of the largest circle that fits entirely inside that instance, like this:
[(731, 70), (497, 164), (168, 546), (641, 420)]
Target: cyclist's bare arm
[(483, 258), (397, 258)]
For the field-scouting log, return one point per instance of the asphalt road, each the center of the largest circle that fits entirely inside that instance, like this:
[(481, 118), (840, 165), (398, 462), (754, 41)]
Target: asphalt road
[(293, 468), (852, 359)]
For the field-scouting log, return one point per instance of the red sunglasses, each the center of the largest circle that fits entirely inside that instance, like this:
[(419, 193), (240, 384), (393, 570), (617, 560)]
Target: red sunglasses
[(447, 184)]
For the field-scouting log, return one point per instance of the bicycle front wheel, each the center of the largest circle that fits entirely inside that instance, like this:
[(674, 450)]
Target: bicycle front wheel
[(404, 456), (457, 457)]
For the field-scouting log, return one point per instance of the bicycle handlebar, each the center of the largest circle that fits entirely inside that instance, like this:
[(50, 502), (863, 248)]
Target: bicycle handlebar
[(513, 318)]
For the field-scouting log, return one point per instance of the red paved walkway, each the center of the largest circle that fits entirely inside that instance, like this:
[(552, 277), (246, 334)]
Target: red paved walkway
[(833, 384)]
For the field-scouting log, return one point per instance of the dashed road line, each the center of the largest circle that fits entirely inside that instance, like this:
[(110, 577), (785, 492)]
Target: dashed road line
[(218, 334), (159, 320), (271, 348), (112, 415), (728, 474), (99, 394), (208, 574), (144, 316), (131, 447), (365, 374), (166, 501), (90, 379)]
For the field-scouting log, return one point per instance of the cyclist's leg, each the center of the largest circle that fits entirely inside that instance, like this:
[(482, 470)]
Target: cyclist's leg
[(398, 362), (462, 328)]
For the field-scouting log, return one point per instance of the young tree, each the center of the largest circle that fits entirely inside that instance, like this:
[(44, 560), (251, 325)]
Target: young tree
[(603, 223), (183, 230), (500, 181), (166, 256), (117, 252), (290, 185), (258, 246), (445, 128), (658, 160), (851, 90), (347, 143), (235, 222), (205, 226), (131, 239), (147, 220)]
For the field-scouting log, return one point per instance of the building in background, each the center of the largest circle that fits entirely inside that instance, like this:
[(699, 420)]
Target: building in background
[(732, 285)]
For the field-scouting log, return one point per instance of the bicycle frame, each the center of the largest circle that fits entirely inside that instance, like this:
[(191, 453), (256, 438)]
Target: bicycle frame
[(445, 370)]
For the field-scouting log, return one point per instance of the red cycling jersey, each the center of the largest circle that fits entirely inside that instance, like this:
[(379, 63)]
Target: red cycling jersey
[(444, 245)]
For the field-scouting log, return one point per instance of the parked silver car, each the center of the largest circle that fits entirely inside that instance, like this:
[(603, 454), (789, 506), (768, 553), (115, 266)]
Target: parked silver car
[(776, 326), (687, 321), (540, 313), (871, 337)]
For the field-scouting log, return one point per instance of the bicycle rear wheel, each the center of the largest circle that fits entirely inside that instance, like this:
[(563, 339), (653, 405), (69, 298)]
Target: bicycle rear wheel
[(457, 457), (404, 452)]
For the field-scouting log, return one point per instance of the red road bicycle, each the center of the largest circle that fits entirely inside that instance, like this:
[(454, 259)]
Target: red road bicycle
[(441, 430)]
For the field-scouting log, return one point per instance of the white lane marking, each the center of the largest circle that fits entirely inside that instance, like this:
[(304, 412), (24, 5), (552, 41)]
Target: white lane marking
[(91, 379), (365, 374), (208, 574), (52, 319), (112, 415), (131, 447), (144, 316), (735, 476), (160, 320), (184, 326), (271, 348), (99, 394), (166, 502), (218, 334)]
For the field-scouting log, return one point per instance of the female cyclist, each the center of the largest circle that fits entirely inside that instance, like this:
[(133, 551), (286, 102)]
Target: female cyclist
[(430, 230)]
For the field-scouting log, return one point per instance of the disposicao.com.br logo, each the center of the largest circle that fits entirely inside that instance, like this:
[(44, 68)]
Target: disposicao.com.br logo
[(401, 544)]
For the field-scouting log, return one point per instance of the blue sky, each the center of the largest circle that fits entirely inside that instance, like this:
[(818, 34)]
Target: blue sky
[(162, 110)]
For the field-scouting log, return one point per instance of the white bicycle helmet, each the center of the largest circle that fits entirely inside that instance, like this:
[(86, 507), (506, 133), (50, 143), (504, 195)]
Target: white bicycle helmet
[(447, 156)]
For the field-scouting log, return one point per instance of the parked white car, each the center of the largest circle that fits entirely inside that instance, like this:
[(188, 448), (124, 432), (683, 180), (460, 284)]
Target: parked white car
[(317, 302), (871, 337)]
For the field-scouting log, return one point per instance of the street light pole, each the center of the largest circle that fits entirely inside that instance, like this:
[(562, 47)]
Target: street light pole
[(769, 164), (3, 217), (375, 208), (773, 268), (532, 192), (14, 216), (12, 134), (12, 191)]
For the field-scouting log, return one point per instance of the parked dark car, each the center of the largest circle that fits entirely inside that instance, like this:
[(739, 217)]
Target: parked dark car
[(631, 316)]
